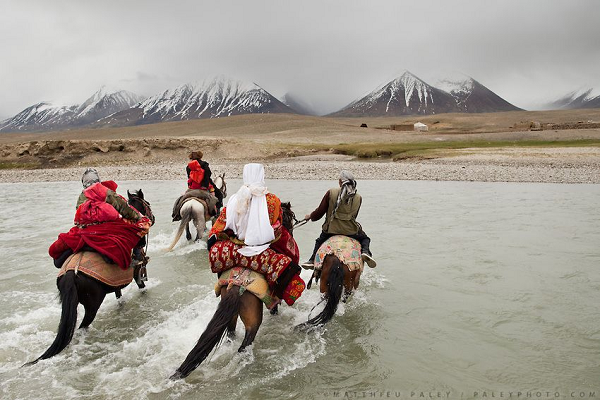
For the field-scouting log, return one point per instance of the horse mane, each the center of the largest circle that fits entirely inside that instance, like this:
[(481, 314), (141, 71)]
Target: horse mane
[(137, 201), (288, 218)]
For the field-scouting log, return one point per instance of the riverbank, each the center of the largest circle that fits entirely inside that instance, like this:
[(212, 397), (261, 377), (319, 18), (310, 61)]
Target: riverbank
[(548, 165)]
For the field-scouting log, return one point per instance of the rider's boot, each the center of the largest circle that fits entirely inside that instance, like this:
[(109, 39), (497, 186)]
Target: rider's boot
[(366, 256), (310, 264)]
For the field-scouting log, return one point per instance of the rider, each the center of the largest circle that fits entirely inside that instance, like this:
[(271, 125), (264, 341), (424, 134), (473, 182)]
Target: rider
[(199, 176), (340, 206), (104, 222), (97, 196), (249, 232)]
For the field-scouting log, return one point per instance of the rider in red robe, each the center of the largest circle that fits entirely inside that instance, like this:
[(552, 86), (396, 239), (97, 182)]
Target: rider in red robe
[(277, 260), (104, 222)]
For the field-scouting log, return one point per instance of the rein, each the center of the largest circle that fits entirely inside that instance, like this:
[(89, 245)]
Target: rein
[(147, 213), (298, 224)]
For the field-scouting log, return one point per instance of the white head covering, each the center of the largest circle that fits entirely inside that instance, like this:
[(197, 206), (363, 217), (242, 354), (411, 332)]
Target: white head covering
[(247, 213), (348, 190)]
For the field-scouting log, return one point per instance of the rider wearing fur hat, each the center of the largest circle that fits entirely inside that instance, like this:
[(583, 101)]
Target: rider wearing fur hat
[(199, 176)]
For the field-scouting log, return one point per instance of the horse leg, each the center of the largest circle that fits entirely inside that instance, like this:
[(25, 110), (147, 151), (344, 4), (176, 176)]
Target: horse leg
[(188, 234), (251, 315), (349, 283), (198, 219), (91, 295), (231, 327)]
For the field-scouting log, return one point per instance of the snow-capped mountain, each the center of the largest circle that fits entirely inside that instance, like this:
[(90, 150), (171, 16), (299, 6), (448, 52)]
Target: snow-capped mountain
[(405, 95), (472, 97), (40, 116), (588, 98), (47, 116), (104, 103), (211, 98)]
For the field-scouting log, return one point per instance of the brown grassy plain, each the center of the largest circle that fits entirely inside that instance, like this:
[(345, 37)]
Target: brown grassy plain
[(279, 136)]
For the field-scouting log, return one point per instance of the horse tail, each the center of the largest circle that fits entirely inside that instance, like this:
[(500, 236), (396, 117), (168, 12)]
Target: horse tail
[(186, 217), (213, 334), (68, 319), (335, 288)]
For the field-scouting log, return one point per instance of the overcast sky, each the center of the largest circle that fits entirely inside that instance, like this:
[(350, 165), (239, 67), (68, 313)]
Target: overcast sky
[(327, 53)]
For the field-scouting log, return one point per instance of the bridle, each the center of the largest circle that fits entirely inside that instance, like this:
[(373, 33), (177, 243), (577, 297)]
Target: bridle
[(146, 205), (147, 212)]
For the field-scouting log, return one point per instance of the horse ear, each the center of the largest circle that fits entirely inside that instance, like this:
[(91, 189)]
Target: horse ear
[(128, 193), (141, 194)]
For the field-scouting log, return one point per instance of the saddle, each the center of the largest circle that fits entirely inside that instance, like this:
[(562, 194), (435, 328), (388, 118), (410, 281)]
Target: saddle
[(93, 264), (209, 201), (249, 280), (348, 250)]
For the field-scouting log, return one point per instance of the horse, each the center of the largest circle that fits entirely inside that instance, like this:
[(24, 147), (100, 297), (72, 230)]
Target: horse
[(338, 265), (77, 287), (194, 210), (247, 306)]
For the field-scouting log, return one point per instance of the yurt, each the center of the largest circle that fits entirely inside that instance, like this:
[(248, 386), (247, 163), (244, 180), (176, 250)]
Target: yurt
[(421, 127)]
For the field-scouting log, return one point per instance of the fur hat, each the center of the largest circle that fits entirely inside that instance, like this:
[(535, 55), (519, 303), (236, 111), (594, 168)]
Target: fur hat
[(196, 155)]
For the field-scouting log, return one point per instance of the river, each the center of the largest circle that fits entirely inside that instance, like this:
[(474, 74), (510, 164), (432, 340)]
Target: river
[(481, 290)]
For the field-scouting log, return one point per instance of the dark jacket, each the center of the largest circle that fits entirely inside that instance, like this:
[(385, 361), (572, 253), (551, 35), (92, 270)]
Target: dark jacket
[(207, 173)]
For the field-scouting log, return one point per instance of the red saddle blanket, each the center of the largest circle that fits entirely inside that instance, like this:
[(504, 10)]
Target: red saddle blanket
[(224, 255), (92, 264)]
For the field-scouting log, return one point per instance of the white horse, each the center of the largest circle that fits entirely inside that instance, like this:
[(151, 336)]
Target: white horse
[(193, 211)]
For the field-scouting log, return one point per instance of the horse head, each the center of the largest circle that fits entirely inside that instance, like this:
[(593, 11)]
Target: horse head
[(137, 201), (288, 218), (221, 184)]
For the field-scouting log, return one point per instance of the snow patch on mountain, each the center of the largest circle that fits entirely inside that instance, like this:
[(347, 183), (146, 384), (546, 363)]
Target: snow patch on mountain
[(211, 98), (48, 116)]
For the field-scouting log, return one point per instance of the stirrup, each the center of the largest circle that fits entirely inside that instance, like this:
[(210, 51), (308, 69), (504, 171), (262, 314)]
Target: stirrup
[(369, 260), (140, 275), (308, 265)]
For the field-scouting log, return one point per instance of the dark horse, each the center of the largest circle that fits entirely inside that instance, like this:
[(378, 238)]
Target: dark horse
[(247, 306), (80, 288), (338, 282)]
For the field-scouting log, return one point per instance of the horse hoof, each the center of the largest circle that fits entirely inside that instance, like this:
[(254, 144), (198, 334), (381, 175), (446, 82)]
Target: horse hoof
[(176, 376)]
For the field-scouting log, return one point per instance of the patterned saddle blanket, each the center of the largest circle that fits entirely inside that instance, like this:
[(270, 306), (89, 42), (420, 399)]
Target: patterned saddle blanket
[(92, 264), (249, 280), (223, 255), (345, 248)]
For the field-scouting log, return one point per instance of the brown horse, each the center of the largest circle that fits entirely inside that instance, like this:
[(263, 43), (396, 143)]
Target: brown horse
[(246, 306), (338, 279), (76, 287)]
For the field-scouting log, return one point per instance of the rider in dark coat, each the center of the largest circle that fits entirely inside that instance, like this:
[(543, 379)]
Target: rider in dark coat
[(206, 183)]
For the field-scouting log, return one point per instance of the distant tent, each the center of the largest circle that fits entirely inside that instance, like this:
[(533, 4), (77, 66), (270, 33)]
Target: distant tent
[(421, 127)]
